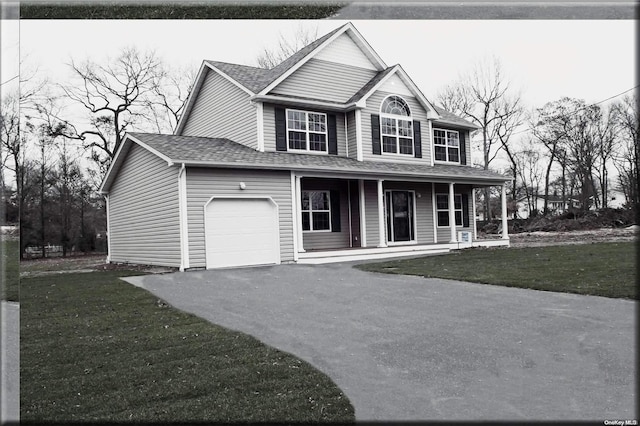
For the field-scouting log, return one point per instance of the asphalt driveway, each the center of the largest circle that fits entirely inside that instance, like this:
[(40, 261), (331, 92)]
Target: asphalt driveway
[(409, 348)]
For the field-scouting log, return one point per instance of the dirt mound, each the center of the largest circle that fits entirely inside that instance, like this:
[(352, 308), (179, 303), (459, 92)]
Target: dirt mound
[(580, 220)]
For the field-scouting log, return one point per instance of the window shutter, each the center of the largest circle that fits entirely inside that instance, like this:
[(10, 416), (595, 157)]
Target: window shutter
[(463, 147), (335, 210), (281, 129), (375, 134), (333, 134), (417, 139), (465, 210)]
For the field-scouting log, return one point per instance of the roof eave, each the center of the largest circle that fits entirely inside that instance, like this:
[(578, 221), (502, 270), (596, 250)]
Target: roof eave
[(455, 177), (306, 102)]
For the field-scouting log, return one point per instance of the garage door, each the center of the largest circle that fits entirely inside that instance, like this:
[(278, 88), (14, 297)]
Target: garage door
[(241, 232)]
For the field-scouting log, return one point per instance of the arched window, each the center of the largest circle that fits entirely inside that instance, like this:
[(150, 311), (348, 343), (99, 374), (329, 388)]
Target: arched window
[(396, 126)]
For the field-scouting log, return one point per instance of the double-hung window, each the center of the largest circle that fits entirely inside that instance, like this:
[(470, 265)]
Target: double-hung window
[(442, 209), (316, 211), (306, 131), (447, 145), (396, 126)]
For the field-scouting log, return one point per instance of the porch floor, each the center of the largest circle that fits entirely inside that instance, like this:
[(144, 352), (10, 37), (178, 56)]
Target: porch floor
[(319, 256)]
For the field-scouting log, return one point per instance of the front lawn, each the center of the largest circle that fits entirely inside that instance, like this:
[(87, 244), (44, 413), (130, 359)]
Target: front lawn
[(602, 269), (96, 349)]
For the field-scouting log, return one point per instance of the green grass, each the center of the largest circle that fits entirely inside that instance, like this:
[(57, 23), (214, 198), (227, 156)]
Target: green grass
[(94, 348), (601, 269), (195, 10), (10, 272)]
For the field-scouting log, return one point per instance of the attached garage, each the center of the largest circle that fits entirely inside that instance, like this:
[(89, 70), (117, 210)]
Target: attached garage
[(241, 232)]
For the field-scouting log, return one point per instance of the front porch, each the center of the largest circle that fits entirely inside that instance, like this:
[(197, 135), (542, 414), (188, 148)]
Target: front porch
[(345, 219), (315, 257)]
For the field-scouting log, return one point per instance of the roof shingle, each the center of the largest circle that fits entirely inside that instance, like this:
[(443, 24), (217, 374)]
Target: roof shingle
[(220, 152)]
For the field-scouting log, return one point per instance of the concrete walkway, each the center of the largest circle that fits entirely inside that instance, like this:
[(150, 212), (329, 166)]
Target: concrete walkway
[(10, 362), (409, 348)]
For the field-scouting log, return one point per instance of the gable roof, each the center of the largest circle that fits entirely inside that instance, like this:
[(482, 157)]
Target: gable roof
[(257, 82), (224, 153), (447, 117)]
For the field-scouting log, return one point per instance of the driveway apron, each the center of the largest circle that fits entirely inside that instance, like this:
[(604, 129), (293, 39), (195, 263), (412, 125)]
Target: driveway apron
[(410, 348)]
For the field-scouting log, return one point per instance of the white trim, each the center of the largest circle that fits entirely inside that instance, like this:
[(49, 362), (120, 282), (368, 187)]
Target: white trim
[(473, 203), (359, 153), (307, 131), (190, 100), (117, 159), (435, 213), (505, 223), (243, 197), (108, 212), (229, 78), (298, 195), (452, 214), (382, 242), (183, 215), (433, 149), (349, 209), (294, 216), (304, 60), (461, 226), (260, 125), (414, 222), (397, 136), (311, 211), (286, 100), (363, 221), (346, 134), (446, 146), (397, 69)]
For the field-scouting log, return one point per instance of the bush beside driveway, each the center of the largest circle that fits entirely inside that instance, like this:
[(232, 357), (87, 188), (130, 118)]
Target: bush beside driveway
[(409, 348)]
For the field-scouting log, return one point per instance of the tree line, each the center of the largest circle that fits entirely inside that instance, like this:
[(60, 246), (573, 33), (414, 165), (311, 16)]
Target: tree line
[(58, 140), (567, 148)]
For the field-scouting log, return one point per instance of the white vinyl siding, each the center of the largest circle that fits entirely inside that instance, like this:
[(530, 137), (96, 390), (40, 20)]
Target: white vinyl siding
[(270, 129), (222, 110), (417, 112), (328, 240), (202, 184), (344, 50), (144, 221), (371, 212), (324, 80)]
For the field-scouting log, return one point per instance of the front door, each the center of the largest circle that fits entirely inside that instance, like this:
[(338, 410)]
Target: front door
[(400, 212)]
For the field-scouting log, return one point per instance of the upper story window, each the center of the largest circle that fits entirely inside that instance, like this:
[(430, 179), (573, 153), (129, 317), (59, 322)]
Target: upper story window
[(396, 126), (446, 144), (306, 131)]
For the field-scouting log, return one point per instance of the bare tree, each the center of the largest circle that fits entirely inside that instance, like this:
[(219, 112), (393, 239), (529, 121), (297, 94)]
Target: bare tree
[(529, 166), (287, 46), (114, 95), (627, 161), (483, 96), (171, 89)]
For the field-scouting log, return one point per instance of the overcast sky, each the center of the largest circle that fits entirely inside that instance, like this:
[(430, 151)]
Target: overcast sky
[(592, 60)]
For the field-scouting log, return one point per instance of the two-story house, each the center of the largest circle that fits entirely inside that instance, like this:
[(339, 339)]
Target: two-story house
[(330, 155)]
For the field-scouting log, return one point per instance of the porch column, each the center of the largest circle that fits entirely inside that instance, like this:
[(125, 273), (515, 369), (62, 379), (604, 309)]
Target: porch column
[(505, 225), (381, 228), (296, 212), (363, 219), (473, 211), (452, 214)]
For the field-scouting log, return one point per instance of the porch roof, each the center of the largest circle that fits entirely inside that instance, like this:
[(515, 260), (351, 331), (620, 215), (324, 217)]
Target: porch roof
[(220, 152)]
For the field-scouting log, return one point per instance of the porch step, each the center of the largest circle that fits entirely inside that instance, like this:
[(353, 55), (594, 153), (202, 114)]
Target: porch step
[(314, 258)]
